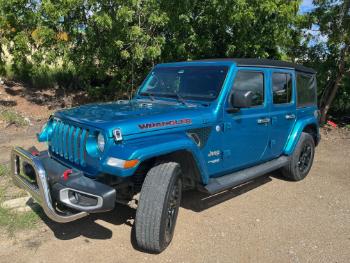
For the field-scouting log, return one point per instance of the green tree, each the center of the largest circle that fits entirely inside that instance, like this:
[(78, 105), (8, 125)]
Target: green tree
[(331, 56), (244, 28), (108, 46), (102, 41)]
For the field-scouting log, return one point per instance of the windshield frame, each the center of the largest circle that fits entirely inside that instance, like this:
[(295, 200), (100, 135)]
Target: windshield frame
[(172, 95)]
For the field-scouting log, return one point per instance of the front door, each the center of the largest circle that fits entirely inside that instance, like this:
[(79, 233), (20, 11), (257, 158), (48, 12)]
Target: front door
[(246, 132), (282, 109)]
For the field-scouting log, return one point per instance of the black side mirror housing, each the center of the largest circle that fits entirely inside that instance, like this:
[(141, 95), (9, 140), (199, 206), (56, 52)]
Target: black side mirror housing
[(240, 99)]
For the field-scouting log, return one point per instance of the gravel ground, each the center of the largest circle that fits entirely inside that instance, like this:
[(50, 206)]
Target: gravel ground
[(267, 220)]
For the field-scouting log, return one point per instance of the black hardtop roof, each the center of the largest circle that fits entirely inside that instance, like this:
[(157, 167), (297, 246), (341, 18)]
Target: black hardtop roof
[(262, 62)]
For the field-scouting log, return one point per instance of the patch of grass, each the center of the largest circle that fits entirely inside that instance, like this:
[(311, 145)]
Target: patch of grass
[(4, 170), (14, 221), (12, 117)]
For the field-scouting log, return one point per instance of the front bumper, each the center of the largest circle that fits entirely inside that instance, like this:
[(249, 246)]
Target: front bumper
[(63, 199)]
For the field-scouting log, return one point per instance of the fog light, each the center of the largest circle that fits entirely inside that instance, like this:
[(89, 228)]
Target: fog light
[(80, 200)]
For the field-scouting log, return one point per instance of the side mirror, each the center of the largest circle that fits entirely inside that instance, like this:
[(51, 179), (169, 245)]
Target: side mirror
[(240, 99)]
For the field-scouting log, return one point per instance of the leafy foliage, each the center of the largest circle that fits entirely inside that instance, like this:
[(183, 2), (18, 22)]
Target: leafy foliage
[(332, 18), (112, 44), (106, 47)]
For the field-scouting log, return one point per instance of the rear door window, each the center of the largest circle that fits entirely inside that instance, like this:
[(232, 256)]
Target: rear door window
[(281, 87), (306, 90)]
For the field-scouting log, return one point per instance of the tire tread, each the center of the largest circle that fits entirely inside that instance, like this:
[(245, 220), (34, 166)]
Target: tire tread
[(150, 207), (290, 171)]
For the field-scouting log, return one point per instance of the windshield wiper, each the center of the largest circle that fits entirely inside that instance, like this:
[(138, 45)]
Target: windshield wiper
[(148, 94), (178, 97)]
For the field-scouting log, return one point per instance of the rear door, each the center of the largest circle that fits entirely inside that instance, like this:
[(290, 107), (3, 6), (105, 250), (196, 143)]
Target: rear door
[(283, 108)]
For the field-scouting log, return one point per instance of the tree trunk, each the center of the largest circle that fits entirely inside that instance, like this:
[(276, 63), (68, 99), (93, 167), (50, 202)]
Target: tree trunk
[(332, 89)]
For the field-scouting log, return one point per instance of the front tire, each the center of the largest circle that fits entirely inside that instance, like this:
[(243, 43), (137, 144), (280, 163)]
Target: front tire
[(158, 207), (301, 160)]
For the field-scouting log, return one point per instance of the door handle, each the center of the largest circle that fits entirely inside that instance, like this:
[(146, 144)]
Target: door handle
[(264, 120), (290, 117)]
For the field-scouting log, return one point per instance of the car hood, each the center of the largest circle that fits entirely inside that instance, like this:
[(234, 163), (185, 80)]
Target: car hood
[(136, 116)]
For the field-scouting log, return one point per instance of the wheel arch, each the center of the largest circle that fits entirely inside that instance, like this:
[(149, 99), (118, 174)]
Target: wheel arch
[(308, 125), (191, 172), (155, 149), (312, 129)]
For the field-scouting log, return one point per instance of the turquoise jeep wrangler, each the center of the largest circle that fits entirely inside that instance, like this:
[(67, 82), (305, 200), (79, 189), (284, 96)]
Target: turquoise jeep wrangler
[(209, 125)]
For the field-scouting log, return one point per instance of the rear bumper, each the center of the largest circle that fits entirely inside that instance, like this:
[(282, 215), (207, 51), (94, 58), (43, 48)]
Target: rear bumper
[(76, 195)]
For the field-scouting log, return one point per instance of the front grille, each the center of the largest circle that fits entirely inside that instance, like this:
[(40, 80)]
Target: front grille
[(69, 141)]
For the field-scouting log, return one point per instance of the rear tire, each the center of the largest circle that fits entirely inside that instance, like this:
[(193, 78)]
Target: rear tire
[(301, 160), (158, 207)]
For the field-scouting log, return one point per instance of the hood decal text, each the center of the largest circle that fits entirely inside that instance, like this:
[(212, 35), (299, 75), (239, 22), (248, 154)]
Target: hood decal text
[(164, 123)]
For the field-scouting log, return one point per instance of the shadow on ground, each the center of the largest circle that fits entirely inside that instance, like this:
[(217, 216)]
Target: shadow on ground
[(54, 98), (193, 200), (87, 226), (8, 103)]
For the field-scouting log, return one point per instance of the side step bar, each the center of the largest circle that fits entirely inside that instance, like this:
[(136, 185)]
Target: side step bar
[(222, 183)]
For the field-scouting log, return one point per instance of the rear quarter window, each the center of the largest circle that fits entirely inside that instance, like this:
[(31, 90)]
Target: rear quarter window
[(306, 90)]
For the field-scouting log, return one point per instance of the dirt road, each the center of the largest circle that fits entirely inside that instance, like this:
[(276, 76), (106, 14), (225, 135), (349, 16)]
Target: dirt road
[(268, 220)]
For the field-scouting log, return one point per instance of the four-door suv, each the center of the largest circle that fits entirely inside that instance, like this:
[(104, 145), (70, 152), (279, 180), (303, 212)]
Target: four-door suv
[(208, 125)]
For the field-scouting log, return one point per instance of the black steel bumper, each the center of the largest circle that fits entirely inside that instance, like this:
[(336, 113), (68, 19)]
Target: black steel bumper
[(63, 199)]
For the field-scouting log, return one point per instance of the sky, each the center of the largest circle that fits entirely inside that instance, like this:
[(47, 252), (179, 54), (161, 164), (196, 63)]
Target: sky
[(306, 6)]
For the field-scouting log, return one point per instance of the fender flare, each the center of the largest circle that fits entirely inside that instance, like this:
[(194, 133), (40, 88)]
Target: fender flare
[(296, 133), (153, 147)]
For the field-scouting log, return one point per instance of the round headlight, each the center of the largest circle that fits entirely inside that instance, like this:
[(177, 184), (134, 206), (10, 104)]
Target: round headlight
[(101, 142), (45, 133)]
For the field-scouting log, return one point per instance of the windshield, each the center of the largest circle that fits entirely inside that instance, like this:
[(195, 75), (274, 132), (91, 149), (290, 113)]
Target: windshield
[(191, 82)]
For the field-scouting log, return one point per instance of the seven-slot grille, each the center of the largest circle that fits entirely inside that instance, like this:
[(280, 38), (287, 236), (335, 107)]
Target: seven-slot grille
[(69, 141)]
